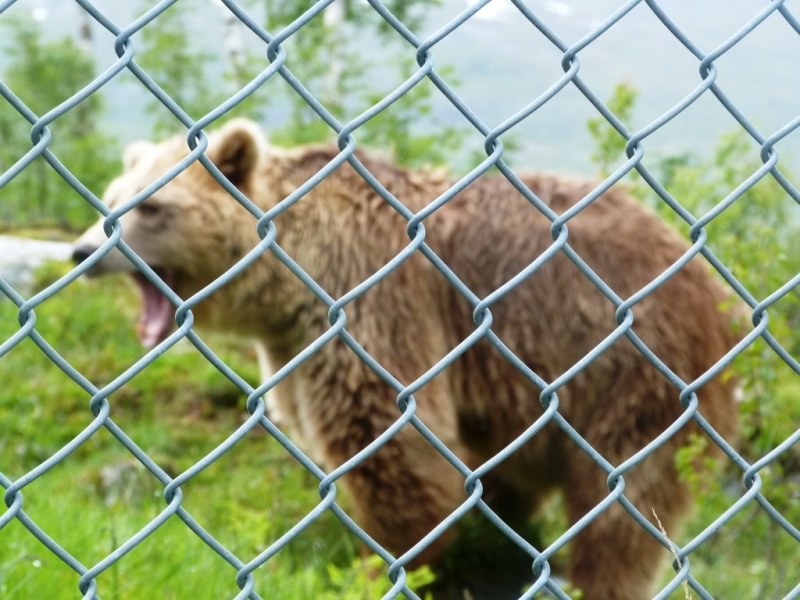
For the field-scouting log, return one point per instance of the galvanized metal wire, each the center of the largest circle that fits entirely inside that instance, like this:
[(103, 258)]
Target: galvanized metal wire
[(245, 569)]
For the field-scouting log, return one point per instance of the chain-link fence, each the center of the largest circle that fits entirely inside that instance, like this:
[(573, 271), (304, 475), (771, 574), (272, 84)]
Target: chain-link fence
[(624, 309)]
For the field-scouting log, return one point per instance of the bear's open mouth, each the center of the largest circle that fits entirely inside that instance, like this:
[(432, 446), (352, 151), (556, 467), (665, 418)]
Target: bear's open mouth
[(158, 313)]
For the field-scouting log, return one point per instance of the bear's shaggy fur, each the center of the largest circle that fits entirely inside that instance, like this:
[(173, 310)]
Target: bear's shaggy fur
[(342, 232)]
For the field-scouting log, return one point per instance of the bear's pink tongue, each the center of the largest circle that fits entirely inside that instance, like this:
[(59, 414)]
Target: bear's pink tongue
[(157, 312)]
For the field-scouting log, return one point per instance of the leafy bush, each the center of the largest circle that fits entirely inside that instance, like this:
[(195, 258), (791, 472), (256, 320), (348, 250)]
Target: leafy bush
[(44, 73)]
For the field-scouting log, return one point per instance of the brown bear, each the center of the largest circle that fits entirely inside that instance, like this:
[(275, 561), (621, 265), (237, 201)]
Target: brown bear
[(342, 232)]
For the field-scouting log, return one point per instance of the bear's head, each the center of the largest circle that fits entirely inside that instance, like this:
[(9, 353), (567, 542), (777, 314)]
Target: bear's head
[(191, 230)]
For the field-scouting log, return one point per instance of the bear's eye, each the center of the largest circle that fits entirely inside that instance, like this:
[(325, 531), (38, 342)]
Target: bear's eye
[(148, 209)]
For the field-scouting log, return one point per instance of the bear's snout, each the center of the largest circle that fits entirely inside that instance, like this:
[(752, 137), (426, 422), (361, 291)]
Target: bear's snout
[(112, 261), (81, 253)]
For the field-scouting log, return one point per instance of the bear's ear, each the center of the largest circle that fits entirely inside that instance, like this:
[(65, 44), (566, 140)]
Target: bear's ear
[(134, 153), (236, 149)]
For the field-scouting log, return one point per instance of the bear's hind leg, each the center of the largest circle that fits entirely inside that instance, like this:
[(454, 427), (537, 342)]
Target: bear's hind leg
[(614, 557)]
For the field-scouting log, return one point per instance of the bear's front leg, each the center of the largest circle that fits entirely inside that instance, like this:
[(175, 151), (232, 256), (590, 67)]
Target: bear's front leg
[(615, 558), (402, 492), (404, 489)]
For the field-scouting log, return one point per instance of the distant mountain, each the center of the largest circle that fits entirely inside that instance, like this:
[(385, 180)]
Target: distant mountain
[(502, 63)]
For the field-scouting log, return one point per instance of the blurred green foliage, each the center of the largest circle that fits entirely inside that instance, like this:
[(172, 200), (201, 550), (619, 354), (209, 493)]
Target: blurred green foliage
[(346, 83), (320, 56), (610, 145), (42, 73), (178, 63)]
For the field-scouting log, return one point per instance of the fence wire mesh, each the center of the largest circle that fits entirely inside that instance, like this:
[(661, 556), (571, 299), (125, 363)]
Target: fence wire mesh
[(245, 569)]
